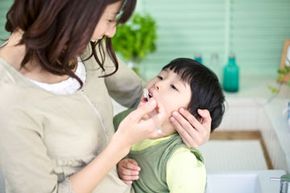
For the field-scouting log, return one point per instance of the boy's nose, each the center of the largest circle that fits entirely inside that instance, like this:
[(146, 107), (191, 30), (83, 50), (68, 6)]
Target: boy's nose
[(157, 85)]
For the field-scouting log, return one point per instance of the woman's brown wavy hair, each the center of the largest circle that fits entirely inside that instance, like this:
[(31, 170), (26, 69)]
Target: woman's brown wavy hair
[(56, 32)]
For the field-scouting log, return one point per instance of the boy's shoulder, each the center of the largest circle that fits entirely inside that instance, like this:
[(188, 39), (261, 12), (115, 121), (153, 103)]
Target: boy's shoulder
[(179, 149), (186, 171), (186, 154)]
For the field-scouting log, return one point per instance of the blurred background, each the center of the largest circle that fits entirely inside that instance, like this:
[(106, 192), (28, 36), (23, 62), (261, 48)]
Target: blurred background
[(246, 43), (252, 30)]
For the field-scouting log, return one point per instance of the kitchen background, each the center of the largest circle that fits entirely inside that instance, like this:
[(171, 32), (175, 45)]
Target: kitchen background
[(254, 136), (254, 30)]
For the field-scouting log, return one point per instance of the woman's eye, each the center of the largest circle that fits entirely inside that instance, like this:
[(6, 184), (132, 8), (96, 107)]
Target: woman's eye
[(111, 20), (174, 87)]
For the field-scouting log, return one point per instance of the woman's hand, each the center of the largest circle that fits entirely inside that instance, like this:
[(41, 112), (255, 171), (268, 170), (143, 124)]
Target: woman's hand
[(193, 132), (141, 123), (134, 128), (128, 170)]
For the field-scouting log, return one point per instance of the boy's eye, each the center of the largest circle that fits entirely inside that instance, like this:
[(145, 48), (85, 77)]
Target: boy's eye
[(174, 87), (160, 77)]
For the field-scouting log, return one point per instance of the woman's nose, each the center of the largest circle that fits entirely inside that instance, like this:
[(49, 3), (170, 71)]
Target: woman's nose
[(111, 31)]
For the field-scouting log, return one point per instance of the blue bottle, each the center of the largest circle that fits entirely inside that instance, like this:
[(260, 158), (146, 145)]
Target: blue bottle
[(231, 75), (198, 58)]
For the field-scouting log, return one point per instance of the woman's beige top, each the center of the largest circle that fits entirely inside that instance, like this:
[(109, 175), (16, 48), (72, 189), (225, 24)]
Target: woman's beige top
[(44, 137)]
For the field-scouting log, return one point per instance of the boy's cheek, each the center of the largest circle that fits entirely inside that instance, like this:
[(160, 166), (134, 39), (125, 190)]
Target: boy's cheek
[(150, 83)]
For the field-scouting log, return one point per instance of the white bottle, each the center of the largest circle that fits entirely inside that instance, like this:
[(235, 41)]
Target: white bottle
[(215, 65)]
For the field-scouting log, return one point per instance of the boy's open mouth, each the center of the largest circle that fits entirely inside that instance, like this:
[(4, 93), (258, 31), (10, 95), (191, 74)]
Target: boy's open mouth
[(147, 94)]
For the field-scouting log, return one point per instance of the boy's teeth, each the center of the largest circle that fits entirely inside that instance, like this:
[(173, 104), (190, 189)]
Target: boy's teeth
[(146, 93)]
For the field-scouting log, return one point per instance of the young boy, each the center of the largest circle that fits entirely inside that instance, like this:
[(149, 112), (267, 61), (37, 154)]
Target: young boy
[(167, 164)]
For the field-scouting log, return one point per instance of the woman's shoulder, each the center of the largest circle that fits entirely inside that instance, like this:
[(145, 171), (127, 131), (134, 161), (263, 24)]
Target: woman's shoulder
[(14, 91), (6, 74)]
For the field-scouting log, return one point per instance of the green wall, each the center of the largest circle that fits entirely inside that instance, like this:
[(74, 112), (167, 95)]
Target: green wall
[(4, 6), (252, 29)]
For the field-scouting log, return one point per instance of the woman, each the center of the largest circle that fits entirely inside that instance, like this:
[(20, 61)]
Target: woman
[(55, 104)]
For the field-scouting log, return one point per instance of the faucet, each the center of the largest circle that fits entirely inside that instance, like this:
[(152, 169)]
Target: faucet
[(284, 183), (2, 188)]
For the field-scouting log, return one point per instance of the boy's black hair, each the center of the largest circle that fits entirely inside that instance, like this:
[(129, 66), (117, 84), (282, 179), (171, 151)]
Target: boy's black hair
[(206, 92)]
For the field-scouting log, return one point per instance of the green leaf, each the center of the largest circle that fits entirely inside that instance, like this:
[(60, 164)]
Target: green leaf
[(273, 89), (137, 38)]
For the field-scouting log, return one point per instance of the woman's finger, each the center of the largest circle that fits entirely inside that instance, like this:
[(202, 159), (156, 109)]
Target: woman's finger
[(188, 134), (205, 127), (144, 109), (186, 137), (142, 123), (191, 119), (206, 118), (193, 132), (154, 122), (187, 121)]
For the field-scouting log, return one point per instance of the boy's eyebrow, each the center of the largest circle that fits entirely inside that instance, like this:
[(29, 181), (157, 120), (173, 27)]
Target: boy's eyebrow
[(183, 83)]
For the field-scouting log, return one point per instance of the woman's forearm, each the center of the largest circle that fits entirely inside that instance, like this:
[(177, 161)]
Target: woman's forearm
[(88, 178), (130, 131)]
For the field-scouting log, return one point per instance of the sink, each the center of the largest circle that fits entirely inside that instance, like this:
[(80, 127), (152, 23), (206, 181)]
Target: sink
[(244, 181)]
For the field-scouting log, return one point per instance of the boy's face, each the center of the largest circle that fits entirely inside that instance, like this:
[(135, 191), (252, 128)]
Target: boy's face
[(169, 91)]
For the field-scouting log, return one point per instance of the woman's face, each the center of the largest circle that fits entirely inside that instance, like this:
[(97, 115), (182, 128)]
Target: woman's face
[(107, 23)]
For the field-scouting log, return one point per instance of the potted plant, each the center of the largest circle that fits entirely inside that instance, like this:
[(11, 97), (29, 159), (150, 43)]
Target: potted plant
[(284, 75), (136, 39)]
